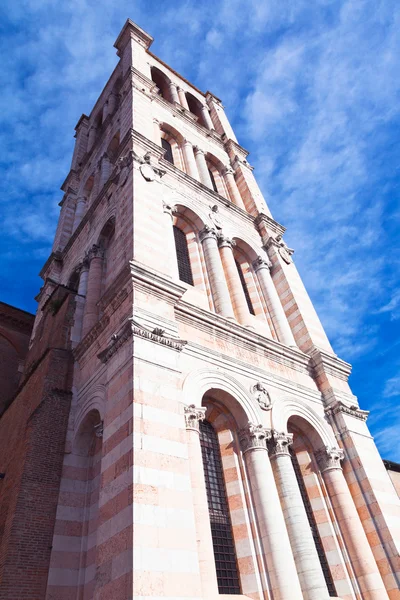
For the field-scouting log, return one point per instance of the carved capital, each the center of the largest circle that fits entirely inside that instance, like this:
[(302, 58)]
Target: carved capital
[(207, 232), (253, 437), (168, 208), (193, 416), (84, 265), (225, 242), (279, 443), (198, 150), (329, 458), (261, 262), (228, 171), (99, 429), (95, 251)]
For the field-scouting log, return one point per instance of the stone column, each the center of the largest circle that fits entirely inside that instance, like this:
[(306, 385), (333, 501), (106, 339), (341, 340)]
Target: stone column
[(205, 549), (112, 103), (173, 92), (202, 167), (182, 98), (262, 269), (190, 162), (216, 276), (79, 211), (234, 284), (233, 189), (357, 545), (95, 256), (105, 111), (76, 333), (105, 170), (206, 117), (172, 260), (91, 138), (309, 569), (274, 537)]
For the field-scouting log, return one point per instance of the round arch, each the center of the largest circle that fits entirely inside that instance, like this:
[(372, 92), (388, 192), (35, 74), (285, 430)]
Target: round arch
[(199, 383), (95, 402)]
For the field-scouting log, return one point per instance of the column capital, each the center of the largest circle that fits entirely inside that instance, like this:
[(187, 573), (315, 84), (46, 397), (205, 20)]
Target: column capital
[(169, 208), (207, 232), (84, 264), (198, 150), (329, 458), (279, 442), (227, 170), (253, 437), (262, 262), (95, 251), (193, 416), (225, 242), (187, 142)]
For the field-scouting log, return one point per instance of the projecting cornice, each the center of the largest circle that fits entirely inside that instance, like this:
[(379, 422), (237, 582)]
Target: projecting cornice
[(322, 362), (156, 283), (132, 31)]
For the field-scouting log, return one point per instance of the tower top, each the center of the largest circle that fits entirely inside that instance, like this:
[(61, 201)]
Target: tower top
[(132, 31)]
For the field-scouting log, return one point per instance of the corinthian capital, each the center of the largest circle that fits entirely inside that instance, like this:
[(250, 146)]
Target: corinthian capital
[(96, 251), (262, 262), (253, 437), (193, 416), (279, 443), (329, 458), (207, 232), (224, 241)]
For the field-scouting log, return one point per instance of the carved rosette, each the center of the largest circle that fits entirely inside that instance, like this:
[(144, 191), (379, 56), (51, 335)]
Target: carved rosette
[(193, 416), (253, 437), (207, 232), (261, 263), (329, 458), (279, 443)]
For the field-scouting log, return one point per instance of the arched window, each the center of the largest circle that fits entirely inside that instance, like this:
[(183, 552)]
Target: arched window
[(221, 526), (213, 181), (168, 151), (245, 290), (182, 254), (313, 526)]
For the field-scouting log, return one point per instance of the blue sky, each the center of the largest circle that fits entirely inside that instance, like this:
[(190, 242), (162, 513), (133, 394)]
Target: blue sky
[(312, 89)]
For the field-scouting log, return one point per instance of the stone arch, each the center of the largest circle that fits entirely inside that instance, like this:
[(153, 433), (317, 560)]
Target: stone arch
[(204, 381), (186, 218), (196, 108), (175, 139), (313, 426), (186, 210), (95, 401), (113, 147), (162, 82), (216, 168)]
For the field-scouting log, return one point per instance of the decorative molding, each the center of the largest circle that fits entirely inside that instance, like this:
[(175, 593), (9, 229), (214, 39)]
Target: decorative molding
[(253, 437), (156, 335), (261, 395), (193, 416), (329, 458), (156, 283), (279, 442), (330, 364), (352, 410), (263, 220), (117, 340)]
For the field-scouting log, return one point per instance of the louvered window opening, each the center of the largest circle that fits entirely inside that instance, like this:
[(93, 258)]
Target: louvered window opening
[(221, 527), (168, 154), (313, 526), (213, 181), (245, 290), (182, 254)]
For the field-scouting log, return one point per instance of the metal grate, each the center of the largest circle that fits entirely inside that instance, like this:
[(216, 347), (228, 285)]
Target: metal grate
[(213, 181), (244, 286), (313, 526), (182, 254), (168, 151), (221, 528)]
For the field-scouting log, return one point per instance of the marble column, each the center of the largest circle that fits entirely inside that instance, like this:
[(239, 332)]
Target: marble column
[(90, 317), (106, 111), (202, 167), (172, 260), (215, 271), (233, 189), (173, 92), (112, 103), (80, 298), (190, 162), (233, 280), (361, 557), (206, 117), (182, 98), (91, 137), (280, 565), (208, 574), (105, 170), (309, 569), (262, 268), (79, 211)]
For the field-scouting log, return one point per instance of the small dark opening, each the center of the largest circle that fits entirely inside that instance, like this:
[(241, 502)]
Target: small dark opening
[(213, 181), (245, 290), (168, 151), (182, 254)]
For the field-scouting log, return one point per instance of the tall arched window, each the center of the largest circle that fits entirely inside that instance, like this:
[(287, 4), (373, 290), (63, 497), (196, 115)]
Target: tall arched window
[(245, 290), (313, 526), (213, 180), (182, 254), (221, 526), (168, 151)]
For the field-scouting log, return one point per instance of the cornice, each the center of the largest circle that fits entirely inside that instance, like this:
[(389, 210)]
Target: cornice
[(329, 364), (160, 286), (237, 148), (132, 31), (353, 410), (269, 223)]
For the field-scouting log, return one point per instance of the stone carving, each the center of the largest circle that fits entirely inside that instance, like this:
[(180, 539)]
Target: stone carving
[(169, 208), (253, 436), (329, 458), (261, 262), (193, 416), (117, 339), (223, 241), (95, 251), (353, 410), (156, 336), (261, 395), (99, 429), (284, 251), (279, 443), (215, 217), (207, 232)]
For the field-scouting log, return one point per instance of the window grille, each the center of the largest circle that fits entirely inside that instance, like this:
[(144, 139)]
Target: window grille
[(245, 290), (221, 528), (313, 526), (214, 185), (168, 154), (182, 254)]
